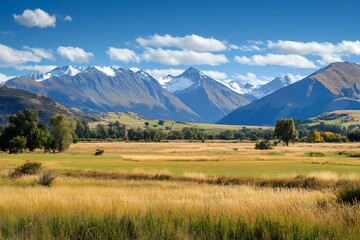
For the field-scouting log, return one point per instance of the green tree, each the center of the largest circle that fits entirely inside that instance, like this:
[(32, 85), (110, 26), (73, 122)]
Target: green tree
[(17, 144), (26, 124), (82, 129), (285, 130), (62, 129)]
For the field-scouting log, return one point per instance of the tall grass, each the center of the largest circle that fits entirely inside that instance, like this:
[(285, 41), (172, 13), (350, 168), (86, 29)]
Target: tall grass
[(133, 209)]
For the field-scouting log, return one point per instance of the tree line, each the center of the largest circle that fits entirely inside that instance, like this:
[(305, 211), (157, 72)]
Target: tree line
[(25, 132)]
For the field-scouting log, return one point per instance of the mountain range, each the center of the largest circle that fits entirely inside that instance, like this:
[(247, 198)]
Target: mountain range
[(191, 96), (335, 87), (98, 89)]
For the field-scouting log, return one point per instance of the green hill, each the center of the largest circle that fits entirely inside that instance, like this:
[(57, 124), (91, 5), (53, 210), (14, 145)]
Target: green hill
[(135, 120), (341, 117)]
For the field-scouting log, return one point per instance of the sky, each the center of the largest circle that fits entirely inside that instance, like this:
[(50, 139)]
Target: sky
[(247, 41)]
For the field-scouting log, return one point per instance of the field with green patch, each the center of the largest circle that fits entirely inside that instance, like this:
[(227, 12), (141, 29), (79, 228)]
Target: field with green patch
[(135, 120), (213, 158), (183, 190), (340, 117)]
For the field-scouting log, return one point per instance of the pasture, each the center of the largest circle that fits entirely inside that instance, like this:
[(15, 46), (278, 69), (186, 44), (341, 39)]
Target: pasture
[(171, 190)]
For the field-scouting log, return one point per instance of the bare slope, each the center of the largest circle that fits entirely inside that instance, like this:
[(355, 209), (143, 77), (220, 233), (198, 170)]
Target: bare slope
[(13, 100)]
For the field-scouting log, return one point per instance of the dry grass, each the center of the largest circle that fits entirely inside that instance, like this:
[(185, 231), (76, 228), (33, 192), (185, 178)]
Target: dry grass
[(178, 190)]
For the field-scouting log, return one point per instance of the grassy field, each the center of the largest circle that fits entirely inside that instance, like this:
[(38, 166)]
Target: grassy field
[(183, 190), (340, 117), (135, 120), (212, 158)]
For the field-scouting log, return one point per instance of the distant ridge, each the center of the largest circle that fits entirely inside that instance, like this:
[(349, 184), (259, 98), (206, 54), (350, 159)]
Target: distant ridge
[(13, 100)]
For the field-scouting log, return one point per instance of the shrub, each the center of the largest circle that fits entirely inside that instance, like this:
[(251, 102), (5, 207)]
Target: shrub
[(28, 168), (263, 145), (316, 154), (349, 195), (99, 152), (46, 179)]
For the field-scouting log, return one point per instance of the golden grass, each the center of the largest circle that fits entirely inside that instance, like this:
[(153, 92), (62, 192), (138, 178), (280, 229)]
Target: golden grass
[(97, 197), (182, 180)]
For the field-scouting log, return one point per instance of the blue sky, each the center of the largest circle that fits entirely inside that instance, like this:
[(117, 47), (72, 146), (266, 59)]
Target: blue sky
[(248, 40)]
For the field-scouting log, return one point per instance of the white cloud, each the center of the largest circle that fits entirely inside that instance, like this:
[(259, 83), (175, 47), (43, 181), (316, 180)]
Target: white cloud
[(252, 79), (295, 77), (135, 69), (329, 58), (75, 54), (290, 60), (35, 18), (216, 74), (245, 48), (68, 18), (11, 57), (328, 52), (44, 53), (37, 68), (4, 78), (189, 42), (122, 54), (302, 48), (174, 57)]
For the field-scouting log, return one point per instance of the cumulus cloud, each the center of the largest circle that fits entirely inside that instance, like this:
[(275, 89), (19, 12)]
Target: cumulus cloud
[(68, 18), (329, 58), (4, 78), (75, 54), (290, 60), (302, 48), (37, 68), (328, 52), (216, 74), (11, 57), (122, 54), (44, 53), (189, 42), (35, 18), (175, 57), (245, 48)]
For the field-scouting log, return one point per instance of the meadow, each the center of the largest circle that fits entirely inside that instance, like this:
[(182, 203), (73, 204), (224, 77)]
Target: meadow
[(134, 120), (183, 190)]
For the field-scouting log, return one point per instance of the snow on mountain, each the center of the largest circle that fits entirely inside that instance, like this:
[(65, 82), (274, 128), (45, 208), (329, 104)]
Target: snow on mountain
[(109, 71), (178, 84), (272, 86), (66, 70), (164, 80)]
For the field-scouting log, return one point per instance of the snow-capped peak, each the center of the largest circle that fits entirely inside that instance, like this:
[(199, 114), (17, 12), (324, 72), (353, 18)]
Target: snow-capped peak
[(164, 80), (109, 71), (65, 70)]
